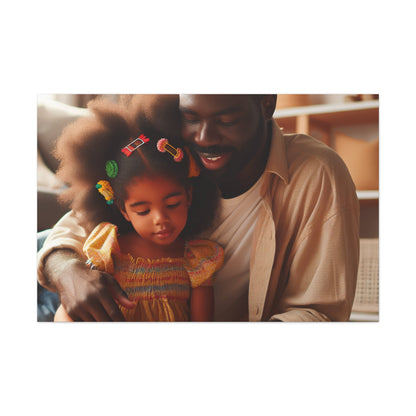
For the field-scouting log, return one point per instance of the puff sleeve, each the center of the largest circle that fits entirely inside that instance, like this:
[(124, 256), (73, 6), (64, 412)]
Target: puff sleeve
[(202, 259), (100, 245)]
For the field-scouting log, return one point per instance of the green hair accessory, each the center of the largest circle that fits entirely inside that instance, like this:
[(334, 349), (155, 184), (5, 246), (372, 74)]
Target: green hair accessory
[(111, 168)]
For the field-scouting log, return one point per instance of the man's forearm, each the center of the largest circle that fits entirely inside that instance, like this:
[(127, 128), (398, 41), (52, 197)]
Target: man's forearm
[(85, 294), (67, 238), (55, 264)]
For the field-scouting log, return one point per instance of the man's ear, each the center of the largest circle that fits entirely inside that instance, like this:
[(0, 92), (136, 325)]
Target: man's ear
[(268, 103)]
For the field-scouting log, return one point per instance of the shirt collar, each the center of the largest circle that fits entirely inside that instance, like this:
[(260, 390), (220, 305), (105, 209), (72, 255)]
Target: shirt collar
[(277, 162)]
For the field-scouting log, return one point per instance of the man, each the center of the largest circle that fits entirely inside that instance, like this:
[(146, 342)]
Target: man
[(288, 222)]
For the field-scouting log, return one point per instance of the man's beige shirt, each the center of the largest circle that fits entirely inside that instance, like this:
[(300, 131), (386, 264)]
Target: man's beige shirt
[(305, 251)]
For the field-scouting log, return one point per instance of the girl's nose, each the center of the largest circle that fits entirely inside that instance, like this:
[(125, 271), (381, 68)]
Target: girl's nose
[(160, 217)]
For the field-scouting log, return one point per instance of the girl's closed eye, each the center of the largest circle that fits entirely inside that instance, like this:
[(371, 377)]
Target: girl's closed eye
[(174, 205), (171, 205)]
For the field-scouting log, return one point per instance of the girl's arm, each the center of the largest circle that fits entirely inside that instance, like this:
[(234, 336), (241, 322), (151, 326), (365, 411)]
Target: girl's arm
[(202, 304)]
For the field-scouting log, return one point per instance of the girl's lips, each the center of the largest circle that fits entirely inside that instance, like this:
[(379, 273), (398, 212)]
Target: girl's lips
[(214, 161), (164, 234)]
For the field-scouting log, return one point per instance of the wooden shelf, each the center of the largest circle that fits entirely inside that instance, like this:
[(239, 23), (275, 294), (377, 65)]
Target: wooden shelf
[(323, 116), (340, 113), (321, 121)]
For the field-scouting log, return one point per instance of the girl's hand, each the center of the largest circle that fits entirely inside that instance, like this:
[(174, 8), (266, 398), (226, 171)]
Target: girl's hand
[(86, 295)]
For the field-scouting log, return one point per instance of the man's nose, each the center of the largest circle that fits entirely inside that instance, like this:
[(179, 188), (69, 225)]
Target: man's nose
[(206, 134)]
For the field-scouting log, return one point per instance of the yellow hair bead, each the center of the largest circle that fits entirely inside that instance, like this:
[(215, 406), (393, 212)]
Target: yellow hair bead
[(105, 189)]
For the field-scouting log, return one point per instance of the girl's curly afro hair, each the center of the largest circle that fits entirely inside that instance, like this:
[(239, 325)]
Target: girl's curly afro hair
[(86, 145)]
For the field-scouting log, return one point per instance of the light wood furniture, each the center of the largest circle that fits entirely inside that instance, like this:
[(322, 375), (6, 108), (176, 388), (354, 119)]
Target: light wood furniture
[(324, 117)]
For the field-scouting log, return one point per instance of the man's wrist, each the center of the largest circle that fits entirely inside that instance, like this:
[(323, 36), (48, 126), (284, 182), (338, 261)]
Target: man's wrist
[(55, 264)]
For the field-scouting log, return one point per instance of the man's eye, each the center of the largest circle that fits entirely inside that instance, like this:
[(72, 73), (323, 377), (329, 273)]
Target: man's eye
[(227, 123), (187, 121), (190, 119)]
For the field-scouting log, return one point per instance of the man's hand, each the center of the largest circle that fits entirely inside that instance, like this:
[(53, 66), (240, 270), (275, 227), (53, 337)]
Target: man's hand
[(86, 295)]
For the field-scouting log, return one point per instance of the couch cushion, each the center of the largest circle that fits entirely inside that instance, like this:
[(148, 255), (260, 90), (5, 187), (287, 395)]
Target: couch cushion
[(53, 116), (46, 178)]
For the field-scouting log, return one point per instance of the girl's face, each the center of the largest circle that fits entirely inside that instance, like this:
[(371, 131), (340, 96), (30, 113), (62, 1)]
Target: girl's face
[(157, 208)]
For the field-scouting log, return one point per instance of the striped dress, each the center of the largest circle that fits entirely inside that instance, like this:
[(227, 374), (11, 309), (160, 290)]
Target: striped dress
[(159, 287)]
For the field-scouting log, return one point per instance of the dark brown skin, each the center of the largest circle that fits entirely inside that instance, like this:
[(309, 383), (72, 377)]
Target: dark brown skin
[(87, 295), (229, 136), (232, 129)]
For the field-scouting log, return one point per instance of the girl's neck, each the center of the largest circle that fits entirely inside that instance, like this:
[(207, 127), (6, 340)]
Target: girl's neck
[(132, 243)]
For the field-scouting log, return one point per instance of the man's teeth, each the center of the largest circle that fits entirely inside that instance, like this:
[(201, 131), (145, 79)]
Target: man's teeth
[(212, 158)]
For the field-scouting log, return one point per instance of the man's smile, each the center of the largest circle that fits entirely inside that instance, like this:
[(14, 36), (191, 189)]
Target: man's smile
[(214, 161), (214, 157)]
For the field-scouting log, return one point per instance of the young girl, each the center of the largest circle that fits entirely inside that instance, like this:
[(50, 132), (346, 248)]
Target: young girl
[(149, 199)]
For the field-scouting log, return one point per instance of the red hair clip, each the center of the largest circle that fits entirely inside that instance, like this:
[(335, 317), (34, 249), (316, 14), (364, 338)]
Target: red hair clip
[(130, 148), (164, 146)]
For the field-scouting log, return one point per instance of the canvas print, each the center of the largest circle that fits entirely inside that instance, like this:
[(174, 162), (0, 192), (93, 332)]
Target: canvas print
[(203, 207)]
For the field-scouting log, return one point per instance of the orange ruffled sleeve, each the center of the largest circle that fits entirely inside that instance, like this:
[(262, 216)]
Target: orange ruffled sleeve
[(202, 259), (100, 245)]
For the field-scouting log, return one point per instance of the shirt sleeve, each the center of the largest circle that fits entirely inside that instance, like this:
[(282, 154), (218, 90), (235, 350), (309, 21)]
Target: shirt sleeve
[(317, 249), (66, 234), (100, 245), (323, 270), (323, 273), (202, 259)]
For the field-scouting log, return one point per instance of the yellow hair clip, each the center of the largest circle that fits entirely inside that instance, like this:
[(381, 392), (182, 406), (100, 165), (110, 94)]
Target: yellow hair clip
[(105, 189)]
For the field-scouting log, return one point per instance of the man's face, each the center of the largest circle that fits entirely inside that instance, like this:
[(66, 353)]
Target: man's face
[(225, 131)]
